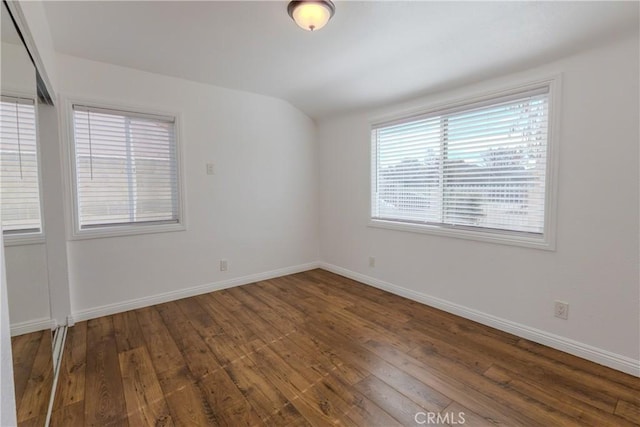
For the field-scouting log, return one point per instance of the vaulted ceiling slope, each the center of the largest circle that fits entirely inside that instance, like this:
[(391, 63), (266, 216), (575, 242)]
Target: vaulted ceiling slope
[(370, 53)]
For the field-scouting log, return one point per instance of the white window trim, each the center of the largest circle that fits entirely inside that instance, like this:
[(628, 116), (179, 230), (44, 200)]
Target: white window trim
[(71, 196), (548, 239), (19, 239)]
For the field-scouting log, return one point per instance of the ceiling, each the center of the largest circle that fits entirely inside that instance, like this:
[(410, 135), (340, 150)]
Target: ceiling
[(370, 53)]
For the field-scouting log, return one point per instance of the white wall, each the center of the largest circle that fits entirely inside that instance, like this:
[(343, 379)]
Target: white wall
[(259, 210), (18, 75), (595, 266), (27, 285)]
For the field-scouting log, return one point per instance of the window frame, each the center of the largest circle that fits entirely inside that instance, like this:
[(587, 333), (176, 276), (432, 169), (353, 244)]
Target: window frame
[(29, 238), (73, 217), (547, 241)]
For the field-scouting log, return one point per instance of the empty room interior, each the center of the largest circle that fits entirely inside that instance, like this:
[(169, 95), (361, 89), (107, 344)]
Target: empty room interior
[(292, 213)]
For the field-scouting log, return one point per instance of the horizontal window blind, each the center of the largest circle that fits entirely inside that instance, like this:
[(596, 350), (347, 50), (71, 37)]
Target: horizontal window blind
[(481, 166), (19, 181), (125, 168)]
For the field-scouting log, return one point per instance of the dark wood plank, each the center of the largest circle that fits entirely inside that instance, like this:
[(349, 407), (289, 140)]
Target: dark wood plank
[(375, 306), (269, 318), (629, 411), (194, 350), (227, 400), (472, 384), (32, 407), (581, 385), (284, 317), (24, 349), (431, 390), (189, 407), (421, 393), (187, 404), (390, 400), (220, 391), (370, 298), (458, 412), (368, 413), (127, 331), (233, 329), (240, 414), (198, 316), (104, 395), (165, 354), (326, 355), (71, 380), (221, 346), (269, 403), (277, 304), (354, 327), (610, 375), (144, 398), (244, 318), (579, 411), (69, 415), (432, 348), (292, 382)]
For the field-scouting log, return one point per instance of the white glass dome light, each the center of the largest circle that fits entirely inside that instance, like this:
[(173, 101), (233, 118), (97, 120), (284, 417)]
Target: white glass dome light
[(311, 15)]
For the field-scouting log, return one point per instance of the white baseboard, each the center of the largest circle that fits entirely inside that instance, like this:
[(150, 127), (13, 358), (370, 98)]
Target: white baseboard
[(585, 351), (35, 325), (133, 304)]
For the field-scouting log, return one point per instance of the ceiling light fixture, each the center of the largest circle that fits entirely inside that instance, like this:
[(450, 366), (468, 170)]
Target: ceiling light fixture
[(311, 15)]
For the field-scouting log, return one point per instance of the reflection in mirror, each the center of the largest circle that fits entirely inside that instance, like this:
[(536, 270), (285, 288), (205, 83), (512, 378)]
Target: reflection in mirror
[(21, 215), (33, 376)]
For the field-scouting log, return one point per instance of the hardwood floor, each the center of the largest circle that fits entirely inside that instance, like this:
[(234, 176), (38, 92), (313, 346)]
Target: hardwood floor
[(33, 376), (318, 349)]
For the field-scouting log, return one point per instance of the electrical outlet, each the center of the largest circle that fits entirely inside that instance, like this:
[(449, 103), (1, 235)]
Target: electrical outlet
[(223, 265), (211, 169), (372, 261), (561, 310)]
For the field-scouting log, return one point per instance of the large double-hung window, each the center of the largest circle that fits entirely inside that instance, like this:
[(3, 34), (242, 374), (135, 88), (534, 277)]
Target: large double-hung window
[(126, 171), (478, 170)]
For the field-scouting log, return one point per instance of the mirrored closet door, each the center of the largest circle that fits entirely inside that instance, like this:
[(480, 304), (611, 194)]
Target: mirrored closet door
[(33, 340)]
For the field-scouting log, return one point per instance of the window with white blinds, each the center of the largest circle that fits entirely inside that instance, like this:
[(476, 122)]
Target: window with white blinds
[(19, 178), (476, 167), (126, 168)]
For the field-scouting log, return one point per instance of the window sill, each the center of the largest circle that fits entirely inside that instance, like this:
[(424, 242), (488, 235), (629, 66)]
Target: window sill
[(114, 231), (23, 239), (481, 236)]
